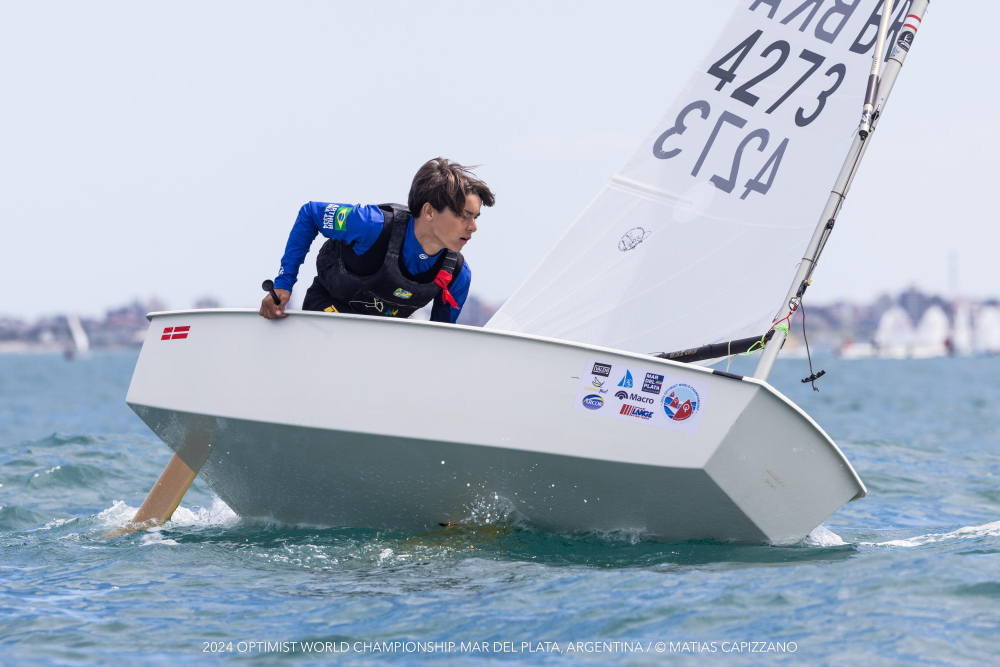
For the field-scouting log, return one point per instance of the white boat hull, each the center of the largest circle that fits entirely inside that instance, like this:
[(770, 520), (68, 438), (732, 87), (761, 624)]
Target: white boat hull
[(345, 420)]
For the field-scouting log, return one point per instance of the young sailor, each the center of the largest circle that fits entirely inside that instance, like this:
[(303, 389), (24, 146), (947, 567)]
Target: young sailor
[(381, 260)]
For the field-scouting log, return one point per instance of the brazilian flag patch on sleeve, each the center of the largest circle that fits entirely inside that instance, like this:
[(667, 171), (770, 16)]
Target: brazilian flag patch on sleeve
[(341, 220)]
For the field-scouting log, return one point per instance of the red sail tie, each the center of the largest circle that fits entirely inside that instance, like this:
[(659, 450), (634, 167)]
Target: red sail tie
[(443, 279)]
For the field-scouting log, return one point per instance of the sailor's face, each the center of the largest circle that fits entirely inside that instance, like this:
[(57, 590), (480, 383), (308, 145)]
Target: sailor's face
[(454, 231)]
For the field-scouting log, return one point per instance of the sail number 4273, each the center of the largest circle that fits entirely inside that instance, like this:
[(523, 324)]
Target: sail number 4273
[(724, 70), (760, 183), (734, 58)]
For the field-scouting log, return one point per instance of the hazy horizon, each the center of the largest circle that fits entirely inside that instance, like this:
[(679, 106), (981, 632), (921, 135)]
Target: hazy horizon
[(165, 150)]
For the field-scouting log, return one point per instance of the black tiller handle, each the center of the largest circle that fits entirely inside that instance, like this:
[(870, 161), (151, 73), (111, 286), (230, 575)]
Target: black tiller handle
[(268, 286)]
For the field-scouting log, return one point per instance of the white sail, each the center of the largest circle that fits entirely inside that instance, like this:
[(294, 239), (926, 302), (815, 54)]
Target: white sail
[(930, 338), (961, 336), (894, 335), (988, 330), (697, 238), (80, 340)]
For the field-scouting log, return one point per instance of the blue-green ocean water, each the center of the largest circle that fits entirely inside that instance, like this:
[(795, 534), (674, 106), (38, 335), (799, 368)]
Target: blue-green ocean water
[(908, 575)]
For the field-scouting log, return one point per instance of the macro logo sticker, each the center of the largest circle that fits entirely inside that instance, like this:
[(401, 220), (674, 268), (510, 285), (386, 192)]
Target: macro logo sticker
[(621, 395), (593, 402), (402, 293), (653, 383), (633, 411), (680, 402), (175, 333), (626, 380), (342, 217), (602, 369)]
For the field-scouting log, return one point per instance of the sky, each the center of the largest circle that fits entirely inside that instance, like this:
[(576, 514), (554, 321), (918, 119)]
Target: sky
[(164, 149)]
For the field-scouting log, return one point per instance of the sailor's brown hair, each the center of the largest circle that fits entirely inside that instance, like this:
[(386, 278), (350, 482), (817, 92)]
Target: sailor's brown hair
[(446, 184)]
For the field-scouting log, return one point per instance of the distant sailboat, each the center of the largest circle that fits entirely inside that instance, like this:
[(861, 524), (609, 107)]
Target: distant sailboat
[(961, 330), (81, 343), (987, 330), (930, 338), (894, 334)]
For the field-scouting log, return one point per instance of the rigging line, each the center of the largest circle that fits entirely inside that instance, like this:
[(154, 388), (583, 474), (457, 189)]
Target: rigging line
[(849, 139), (813, 376), (762, 342)]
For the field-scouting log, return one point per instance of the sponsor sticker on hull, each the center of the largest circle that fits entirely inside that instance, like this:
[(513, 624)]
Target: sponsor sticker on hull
[(601, 369), (673, 402)]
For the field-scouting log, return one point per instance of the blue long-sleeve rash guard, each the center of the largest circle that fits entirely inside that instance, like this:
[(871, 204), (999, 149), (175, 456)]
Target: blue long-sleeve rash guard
[(359, 227)]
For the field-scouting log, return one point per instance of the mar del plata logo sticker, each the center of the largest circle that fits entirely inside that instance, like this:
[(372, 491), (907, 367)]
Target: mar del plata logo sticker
[(681, 402)]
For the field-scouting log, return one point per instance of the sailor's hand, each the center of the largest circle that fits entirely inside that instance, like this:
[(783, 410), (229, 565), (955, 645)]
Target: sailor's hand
[(271, 310)]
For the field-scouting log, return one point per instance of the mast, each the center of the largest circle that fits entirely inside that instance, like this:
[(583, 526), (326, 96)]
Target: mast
[(873, 81), (833, 205)]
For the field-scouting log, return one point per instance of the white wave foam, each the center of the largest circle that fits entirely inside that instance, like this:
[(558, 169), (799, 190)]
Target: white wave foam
[(117, 515), (218, 515), (821, 536), (991, 529), (154, 537), (55, 523)]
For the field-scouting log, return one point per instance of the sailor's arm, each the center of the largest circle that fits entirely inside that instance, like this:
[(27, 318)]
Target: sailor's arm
[(358, 226), (299, 239)]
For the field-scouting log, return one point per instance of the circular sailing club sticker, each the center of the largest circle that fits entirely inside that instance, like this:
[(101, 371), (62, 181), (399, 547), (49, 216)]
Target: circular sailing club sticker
[(681, 402)]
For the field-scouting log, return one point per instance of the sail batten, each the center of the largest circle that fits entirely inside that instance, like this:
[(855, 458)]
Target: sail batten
[(696, 239)]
